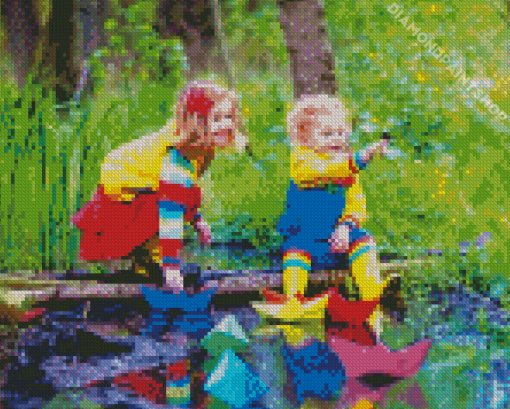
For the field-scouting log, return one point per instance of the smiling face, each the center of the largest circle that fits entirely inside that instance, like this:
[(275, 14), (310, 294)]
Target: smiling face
[(320, 123), (206, 116), (222, 123)]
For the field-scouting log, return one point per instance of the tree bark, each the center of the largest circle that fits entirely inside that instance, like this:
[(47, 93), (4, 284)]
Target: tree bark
[(311, 57), (91, 35), (57, 38), (61, 34), (252, 5), (20, 22), (193, 22)]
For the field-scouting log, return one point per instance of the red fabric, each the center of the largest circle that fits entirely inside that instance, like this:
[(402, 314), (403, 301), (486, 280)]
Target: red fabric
[(177, 371), (112, 229), (170, 247), (353, 167), (358, 334), (143, 384), (357, 242), (303, 300), (348, 182), (355, 314), (297, 251), (352, 312), (30, 315), (273, 297), (191, 197)]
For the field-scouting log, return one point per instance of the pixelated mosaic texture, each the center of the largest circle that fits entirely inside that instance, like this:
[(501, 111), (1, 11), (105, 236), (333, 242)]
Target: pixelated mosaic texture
[(331, 277)]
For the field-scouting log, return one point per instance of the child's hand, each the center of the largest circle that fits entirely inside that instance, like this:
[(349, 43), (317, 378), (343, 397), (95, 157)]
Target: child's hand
[(339, 241), (204, 232), (381, 148), (386, 151)]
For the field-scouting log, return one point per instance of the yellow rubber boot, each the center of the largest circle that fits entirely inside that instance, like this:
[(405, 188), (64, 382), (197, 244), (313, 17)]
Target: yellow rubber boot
[(296, 267), (366, 273)]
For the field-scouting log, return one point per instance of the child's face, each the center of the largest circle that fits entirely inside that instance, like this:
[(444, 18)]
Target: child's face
[(325, 131), (220, 128), (222, 125)]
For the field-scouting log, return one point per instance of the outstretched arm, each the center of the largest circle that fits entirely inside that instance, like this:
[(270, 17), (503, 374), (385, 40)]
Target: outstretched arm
[(365, 156)]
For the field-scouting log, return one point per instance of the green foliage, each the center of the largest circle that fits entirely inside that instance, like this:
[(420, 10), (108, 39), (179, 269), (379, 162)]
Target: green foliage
[(450, 187), (68, 147), (136, 78), (255, 40), (135, 52), (248, 191), (33, 179)]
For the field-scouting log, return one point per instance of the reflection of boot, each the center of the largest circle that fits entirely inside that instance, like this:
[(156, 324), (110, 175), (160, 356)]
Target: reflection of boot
[(364, 404), (266, 350), (315, 370)]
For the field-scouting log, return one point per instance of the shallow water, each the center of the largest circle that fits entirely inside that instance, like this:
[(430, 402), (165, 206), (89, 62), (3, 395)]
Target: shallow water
[(467, 366)]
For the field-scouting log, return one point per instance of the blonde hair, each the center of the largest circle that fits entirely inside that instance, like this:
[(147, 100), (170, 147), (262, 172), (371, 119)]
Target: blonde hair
[(211, 90), (137, 164), (216, 93), (310, 106)]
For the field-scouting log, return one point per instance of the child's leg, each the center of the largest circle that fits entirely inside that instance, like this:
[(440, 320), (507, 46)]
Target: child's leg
[(366, 272), (296, 266), (171, 231)]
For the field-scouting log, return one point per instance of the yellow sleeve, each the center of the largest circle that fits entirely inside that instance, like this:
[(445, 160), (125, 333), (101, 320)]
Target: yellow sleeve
[(355, 204), (306, 165), (136, 164)]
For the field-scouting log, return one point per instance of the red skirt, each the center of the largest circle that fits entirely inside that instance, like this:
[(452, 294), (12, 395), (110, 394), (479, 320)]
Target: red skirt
[(112, 229)]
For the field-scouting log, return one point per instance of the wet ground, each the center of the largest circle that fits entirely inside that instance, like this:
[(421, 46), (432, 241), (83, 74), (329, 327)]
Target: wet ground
[(76, 342)]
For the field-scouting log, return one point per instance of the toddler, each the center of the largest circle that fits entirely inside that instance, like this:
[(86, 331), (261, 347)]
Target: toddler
[(325, 203)]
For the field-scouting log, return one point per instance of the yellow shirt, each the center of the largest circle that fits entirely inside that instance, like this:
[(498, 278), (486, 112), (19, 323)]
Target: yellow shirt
[(312, 169), (137, 164), (140, 163)]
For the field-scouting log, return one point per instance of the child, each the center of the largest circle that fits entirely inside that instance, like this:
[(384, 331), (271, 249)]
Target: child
[(325, 203), (148, 185), (148, 188)]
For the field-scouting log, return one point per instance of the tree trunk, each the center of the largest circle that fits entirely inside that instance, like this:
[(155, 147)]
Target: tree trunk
[(57, 38), (61, 35), (311, 57), (252, 5), (89, 20), (74, 31), (193, 22), (20, 22)]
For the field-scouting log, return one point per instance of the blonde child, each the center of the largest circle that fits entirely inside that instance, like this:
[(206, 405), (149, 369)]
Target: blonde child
[(148, 186), (325, 203)]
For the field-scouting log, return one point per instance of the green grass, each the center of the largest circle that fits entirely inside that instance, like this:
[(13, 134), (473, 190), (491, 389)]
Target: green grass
[(449, 188)]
